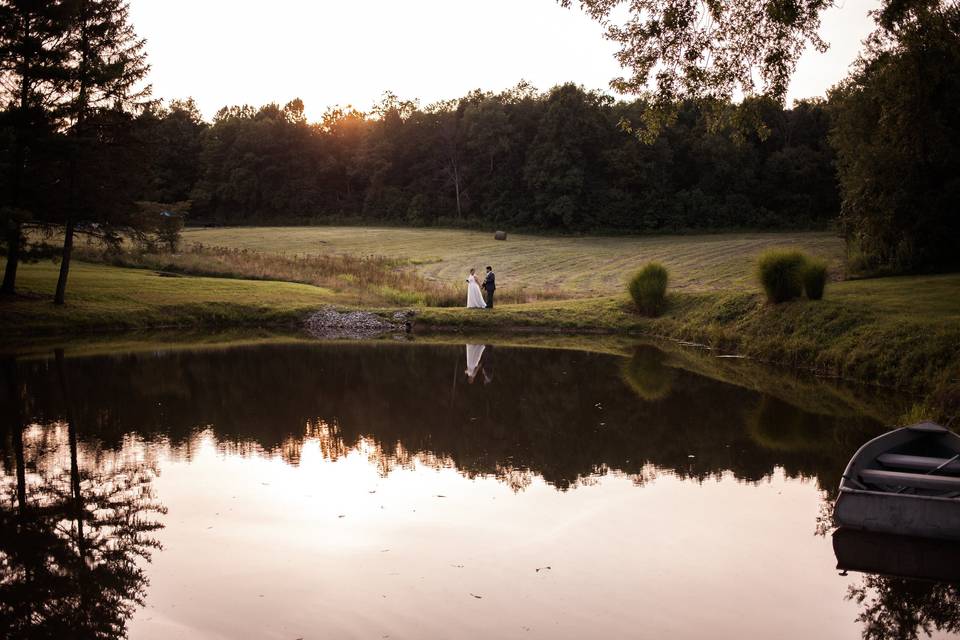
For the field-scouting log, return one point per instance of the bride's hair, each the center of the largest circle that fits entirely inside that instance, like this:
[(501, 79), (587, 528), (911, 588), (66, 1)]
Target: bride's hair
[(472, 271)]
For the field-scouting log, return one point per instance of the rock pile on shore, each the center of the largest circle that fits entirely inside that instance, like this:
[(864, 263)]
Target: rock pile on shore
[(330, 323)]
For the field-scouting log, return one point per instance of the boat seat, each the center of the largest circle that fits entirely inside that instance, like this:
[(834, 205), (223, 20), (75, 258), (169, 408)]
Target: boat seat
[(914, 480), (920, 463)]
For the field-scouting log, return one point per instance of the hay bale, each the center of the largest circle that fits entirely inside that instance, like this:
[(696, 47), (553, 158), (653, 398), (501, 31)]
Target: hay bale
[(500, 235)]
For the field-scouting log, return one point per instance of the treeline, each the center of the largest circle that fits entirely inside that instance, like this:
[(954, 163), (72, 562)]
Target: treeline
[(557, 160)]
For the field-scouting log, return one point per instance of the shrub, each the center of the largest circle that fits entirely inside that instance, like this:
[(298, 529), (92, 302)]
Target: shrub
[(168, 230), (780, 272), (648, 288), (814, 278)]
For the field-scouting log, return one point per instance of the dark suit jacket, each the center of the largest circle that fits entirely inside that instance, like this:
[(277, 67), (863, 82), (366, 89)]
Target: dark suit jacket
[(490, 282)]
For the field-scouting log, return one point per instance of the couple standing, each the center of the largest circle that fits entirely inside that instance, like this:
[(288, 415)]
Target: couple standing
[(474, 296)]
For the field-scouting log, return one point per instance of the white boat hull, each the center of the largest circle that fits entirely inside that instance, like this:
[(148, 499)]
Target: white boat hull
[(923, 516)]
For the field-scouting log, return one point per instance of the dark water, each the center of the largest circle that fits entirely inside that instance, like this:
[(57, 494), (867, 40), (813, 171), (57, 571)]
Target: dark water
[(375, 490)]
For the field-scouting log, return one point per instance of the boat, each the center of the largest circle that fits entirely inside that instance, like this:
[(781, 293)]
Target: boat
[(905, 482), (897, 556)]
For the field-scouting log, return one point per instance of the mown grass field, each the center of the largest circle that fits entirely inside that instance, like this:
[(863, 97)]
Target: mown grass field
[(574, 266), (101, 298)]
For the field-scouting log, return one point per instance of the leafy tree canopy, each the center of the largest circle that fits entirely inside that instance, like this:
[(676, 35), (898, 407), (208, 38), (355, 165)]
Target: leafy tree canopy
[(710, 50)]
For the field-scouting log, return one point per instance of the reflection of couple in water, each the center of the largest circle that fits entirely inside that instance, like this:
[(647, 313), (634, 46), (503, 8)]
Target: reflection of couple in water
[(479, 360)]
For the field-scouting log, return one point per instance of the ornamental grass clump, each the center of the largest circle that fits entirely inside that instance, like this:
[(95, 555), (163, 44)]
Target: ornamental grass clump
[(648, 288), (780, 272), (814, 278)]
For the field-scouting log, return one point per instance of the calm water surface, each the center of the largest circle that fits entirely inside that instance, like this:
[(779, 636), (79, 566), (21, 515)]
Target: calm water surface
[(374, 490)]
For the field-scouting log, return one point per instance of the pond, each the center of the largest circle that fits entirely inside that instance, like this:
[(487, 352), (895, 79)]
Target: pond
[(418, 490)]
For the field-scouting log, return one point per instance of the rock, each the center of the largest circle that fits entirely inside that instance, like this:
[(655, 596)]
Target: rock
[(500, 235), (330, 323)]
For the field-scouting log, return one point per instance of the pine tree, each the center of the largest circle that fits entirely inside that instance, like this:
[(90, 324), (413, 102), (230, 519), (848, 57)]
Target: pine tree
[(33, 71), (108, 66)]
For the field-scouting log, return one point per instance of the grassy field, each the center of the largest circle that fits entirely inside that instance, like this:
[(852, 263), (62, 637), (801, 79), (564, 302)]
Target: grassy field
[(101, 298), (574, 266)]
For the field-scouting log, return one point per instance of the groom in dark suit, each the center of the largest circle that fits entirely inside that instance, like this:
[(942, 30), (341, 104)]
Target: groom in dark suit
[(490, 284)]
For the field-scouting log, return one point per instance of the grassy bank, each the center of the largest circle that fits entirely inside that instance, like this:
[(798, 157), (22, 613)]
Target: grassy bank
[(103, 298), (902, 332)]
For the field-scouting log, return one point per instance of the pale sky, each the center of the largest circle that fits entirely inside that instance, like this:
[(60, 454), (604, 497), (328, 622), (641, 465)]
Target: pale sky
[(226, 52)]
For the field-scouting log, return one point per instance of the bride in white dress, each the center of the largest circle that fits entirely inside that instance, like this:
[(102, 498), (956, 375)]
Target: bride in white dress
[(474, 295)]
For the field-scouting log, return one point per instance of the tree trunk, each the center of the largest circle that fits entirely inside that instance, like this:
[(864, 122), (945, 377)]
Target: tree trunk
[(58, 298), (14, 238), (456, 186), (14, 233)]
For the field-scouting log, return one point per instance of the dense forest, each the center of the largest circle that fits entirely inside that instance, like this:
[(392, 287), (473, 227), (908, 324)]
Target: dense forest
[(555, 160)]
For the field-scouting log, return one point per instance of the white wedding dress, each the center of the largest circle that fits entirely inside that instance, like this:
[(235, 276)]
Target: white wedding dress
[(474, 295)]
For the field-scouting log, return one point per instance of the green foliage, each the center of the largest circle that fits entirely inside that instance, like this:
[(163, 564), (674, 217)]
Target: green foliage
[(553, 160), (897, 136), (171, 137), (814, 278), (648, 289), (168, 230), (164, 220), (780, 272), (708, 49)]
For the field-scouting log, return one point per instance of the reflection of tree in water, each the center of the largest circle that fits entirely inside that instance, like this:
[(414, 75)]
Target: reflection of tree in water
[(561, 415), (902, 609), (776, 425), (75, 522)]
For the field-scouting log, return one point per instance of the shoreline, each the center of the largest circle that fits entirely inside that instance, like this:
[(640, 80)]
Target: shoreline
[(878, 333), (803, 388), (427, 322)]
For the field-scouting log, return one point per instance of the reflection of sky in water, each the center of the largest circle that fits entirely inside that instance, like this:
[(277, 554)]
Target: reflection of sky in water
[(334, 491), (255, 547)]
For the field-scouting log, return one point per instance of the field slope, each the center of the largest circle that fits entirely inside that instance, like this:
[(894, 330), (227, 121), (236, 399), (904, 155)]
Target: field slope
[(102, 298), (576, 266)]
